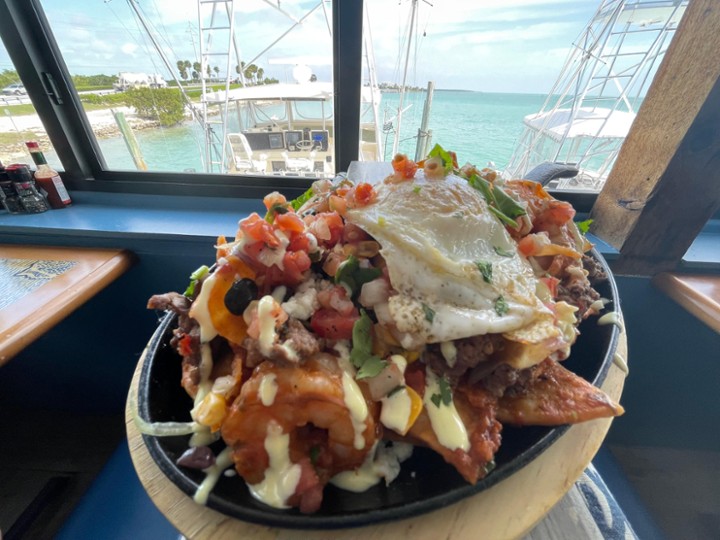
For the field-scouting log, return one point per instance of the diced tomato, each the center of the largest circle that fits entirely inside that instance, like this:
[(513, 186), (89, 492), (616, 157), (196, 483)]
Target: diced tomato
[(295, 263), (526, 246), (258, 229), (185, 345), (290, 222), (404, 166), (333, 224), (299, 242), (338, 204), (330, 324), (274, 198), (365, 194)]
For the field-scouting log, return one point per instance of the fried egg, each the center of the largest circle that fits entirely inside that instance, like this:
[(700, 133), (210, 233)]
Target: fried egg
[(456, 270)]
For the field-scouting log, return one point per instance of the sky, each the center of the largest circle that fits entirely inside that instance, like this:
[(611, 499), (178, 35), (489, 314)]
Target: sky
[(482, 45)]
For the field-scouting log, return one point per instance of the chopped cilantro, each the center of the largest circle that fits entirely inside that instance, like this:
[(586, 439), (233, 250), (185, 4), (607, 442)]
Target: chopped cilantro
[(499, 202), (445, 156), (445, 395), (351, 274), (277, 208), (361, 355), (371, 366), (416, 189), (381, 221), (195, 277), (486, 270), (502, 252), (584, 226), (429, 313), (501, 307)]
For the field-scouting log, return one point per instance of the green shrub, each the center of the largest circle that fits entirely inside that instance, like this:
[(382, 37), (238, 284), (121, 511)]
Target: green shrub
[(166, 105)]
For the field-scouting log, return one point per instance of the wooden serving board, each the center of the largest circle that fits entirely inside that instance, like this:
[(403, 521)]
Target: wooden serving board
[(508, 509)]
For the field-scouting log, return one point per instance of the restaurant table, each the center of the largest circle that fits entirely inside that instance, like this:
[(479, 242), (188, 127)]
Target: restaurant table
[(558, 495), (40, 286), (697, 293)]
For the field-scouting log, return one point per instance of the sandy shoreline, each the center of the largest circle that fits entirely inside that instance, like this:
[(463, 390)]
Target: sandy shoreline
[(102, 122)]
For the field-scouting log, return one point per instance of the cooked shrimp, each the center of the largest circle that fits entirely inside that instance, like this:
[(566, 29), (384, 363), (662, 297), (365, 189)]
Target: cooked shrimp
[(309, 402)]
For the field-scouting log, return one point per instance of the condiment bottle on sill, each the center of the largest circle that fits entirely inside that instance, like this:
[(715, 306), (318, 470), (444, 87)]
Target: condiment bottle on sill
[(48, 179), (8, 195), (31, 200)]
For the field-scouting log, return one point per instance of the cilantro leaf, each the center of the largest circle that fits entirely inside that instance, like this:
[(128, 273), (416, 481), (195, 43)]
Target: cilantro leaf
[(445, 156), (445, 395), (361, 355), (486, 270), (351, 274), (584, 226), (371, 367), (361, 340), (417, 189), (501, 306), (502, 252), (429, 313), (500, 203)]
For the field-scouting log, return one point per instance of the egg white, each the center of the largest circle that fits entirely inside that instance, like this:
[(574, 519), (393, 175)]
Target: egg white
[(433, 234)]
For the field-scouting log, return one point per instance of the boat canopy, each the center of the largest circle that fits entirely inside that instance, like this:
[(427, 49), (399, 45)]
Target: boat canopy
[(587, 122)]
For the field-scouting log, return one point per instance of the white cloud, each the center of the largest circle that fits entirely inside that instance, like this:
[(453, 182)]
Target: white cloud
[(129, 48)]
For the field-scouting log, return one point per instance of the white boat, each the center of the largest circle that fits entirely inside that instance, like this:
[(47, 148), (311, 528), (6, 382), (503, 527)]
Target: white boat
[(287, 129), (277, 128), (592, 105)]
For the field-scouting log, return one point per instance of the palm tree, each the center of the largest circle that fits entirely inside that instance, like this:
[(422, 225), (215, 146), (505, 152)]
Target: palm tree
[(217, 72), (260, 75), (197, 70), (250, 72)]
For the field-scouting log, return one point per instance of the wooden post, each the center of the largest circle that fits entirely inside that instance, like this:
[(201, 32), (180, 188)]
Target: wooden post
[(130, 140), (665, 184)]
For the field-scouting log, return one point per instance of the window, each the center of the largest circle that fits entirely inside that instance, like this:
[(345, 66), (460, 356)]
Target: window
[(19, 121)]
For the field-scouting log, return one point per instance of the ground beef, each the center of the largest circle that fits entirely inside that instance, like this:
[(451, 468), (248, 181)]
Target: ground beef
[(293, 335), (471, 352), (578, 293), (595, 270), (186, 336), (506, 380)]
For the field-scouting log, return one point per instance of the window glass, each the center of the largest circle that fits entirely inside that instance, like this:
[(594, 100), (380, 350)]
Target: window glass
[(19, 122), (517, 82), (240, 87)]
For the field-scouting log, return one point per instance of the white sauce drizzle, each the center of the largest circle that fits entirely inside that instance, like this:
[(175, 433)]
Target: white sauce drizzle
[(396, 408), (200, 312), (611, 318), (212, 475), (620, 362), (267, 324), (268, 389), (445, 420), (360, 479), (449, 352), (282, 475), (355, 402)]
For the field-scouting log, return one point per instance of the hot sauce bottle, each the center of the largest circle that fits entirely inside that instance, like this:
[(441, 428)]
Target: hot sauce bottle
[(48, 178)]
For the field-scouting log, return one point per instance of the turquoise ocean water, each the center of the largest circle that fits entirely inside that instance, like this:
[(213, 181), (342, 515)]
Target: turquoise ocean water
[(480, 127)]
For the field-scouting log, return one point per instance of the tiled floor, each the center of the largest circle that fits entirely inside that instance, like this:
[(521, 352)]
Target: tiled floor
[(680, 488)]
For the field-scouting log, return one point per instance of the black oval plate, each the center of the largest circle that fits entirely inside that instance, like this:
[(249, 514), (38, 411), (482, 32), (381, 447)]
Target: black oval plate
[(425, 483)]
